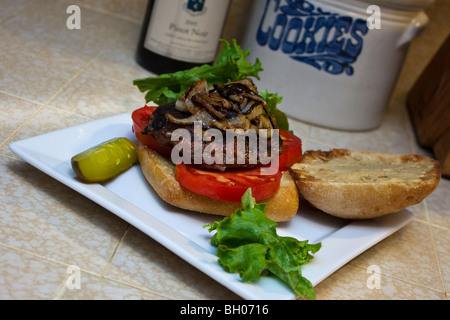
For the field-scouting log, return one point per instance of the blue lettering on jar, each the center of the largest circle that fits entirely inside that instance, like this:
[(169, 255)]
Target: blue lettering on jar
[(196, 5), (324, 40)]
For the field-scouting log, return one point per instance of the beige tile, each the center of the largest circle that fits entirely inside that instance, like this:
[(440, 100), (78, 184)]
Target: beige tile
[(438, 204), (52, 220), (12, 7), (13, 113), (308, 144), (350, 283), (50, 119), (97, 288), (442, 243), (98, 98), (153, 267), (22, 75), (40, 29), (118, 62), (420, 211), (26, 277), (47, 119), (408, 255), (131, 9)]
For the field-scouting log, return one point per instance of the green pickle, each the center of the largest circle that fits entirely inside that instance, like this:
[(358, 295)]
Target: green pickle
[(105, 161)]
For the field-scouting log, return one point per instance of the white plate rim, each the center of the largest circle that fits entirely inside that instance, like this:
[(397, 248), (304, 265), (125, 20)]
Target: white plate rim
[(338, 247)]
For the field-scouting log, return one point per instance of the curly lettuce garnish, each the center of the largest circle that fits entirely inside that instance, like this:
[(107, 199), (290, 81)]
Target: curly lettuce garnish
[(247, 243), (273, 100)]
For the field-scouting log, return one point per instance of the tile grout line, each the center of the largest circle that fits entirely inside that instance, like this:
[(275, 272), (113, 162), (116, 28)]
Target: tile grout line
[(437, 226), (21, 126), (40, 256), (53, 96), (436, 256), (40, 104), (88, 118), (74, 76), (20, 97), (80, 71), (140, 288), (108, 265), (443, 286), (12, 15), (111, 14), (101, 76), (39, 57), (114, 253), (57, 295), (111, 43), (443, 291), (427, 212), (63, 287), (50, 99), (433, 241)]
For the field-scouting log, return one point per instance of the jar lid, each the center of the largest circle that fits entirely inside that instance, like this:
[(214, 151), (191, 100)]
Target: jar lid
[(404, 5), (402, 11)]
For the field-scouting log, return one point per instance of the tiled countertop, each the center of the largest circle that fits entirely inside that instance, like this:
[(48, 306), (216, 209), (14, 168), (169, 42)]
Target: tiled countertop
[(52, 78)]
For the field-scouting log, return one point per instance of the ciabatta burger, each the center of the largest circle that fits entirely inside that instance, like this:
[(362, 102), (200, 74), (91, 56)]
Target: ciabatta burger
[(188, 157)]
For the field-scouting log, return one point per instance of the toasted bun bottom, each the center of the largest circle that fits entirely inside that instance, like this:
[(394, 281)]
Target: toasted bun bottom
[(364, 185), (160, 173)]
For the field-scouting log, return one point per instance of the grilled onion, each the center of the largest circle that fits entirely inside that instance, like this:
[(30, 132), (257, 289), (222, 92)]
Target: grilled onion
[(231, 106)]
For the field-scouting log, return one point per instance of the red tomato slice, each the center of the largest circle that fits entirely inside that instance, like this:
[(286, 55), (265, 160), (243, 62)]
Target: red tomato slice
[(228, 186), (291, 151), (231, 185), (140, 121)]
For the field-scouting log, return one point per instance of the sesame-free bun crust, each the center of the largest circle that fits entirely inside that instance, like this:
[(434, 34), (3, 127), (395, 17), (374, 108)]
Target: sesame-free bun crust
[(364, 185), (160, 173)]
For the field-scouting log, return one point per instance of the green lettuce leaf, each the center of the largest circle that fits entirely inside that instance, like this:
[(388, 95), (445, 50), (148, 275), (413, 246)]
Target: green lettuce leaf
[(248, 243), (231, 65), (273, 100)]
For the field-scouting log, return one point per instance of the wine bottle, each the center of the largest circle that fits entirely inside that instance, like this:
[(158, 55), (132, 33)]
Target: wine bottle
[(180, 34)]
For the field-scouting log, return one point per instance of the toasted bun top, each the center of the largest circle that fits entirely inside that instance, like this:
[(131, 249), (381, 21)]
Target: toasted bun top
[(344, 166), (362, 185)]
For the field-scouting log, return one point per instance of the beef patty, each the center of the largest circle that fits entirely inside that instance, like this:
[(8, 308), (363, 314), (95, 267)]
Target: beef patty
[(234, 109)]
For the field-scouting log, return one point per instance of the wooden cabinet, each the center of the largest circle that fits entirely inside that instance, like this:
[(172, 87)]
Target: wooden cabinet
[(429, 106)]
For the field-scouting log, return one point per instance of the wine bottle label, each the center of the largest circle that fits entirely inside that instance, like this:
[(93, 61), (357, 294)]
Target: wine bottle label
[(186, 30)]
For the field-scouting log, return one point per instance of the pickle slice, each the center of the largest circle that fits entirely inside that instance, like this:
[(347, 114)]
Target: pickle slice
[(105, 161)]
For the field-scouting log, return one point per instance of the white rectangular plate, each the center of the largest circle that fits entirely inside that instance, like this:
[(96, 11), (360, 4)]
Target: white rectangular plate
[(130, 197)]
